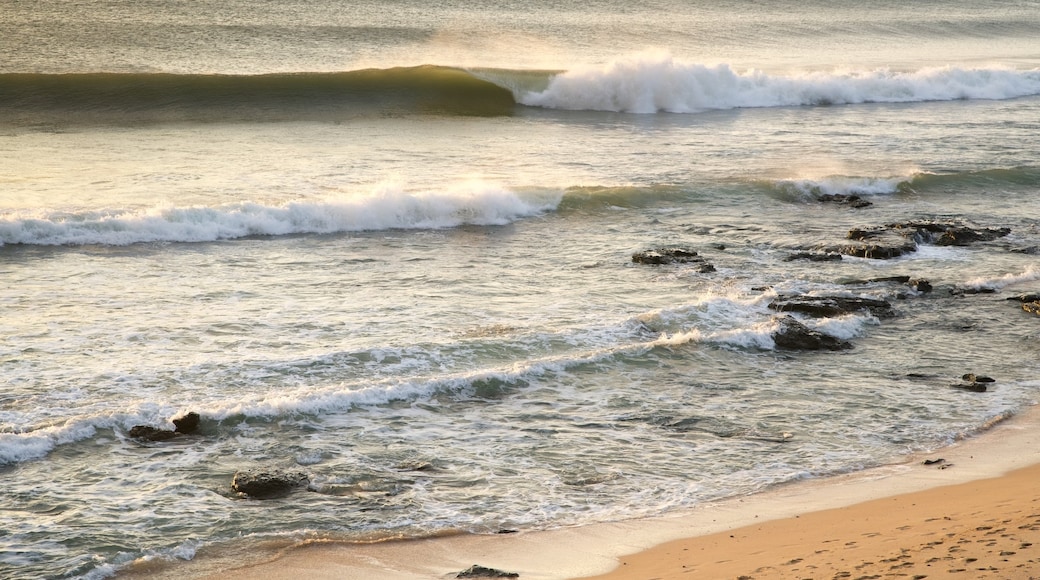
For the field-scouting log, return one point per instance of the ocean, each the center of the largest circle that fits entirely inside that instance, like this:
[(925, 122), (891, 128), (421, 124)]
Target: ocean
[(388, 248)]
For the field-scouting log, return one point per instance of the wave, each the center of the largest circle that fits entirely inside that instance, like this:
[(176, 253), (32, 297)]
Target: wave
[(653, 83), (1031, 274), (161, 97), (806, 188), (638, 84), (386, 207)]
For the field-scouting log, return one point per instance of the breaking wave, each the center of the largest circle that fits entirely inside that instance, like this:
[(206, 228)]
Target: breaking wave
[(660, 83)]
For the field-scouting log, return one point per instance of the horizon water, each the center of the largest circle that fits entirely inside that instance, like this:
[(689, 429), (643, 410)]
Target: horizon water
[(389, 245)]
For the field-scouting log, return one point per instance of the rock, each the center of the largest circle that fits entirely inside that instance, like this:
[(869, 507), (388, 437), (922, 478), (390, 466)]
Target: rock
[(666, 256), (1032, 250), (793, 335), (897, 279), (877, 251), (1026, 298), (814, 257), (152, 433), (849, 200), (662, 256), (975, 290), (920, 285), (826, 306), (1032, 307), (186, 424), (476, 571), (267, 484), (973, 378), (896, 239), (973, 387)]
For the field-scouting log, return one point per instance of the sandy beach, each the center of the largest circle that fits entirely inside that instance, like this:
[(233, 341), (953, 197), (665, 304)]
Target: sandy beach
[(981, 529), (974, 514)]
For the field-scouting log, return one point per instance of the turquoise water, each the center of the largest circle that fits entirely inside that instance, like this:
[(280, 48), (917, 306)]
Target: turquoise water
[(388, 245)]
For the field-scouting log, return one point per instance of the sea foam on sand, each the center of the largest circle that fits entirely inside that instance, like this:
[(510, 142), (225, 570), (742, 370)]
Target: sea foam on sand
[(596, 549)]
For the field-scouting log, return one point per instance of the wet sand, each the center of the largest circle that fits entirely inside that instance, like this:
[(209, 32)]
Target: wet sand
[(982, 529), (976, 514)]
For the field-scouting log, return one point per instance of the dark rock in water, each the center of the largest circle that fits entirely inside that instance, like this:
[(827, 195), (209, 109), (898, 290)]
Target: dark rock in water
[(973, 387), (978, 290), (877, 251), (186, 424), (1026, 298), (896, 279), (920, 285), (476, 571), (849, 200), (152, 433), (267, 484), (1030, 250), (896, 239), (973, 378), (794, 335), (814, 257), (825, 306), (947, 233), (662, 256)]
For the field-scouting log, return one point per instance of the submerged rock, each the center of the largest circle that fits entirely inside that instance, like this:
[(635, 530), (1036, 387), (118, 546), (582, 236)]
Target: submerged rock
[(183, 425), (476, 571), (972, 377), (849, 200), (793, 335), (662, 256), (267, 484), (149, 433), (896, 239), (826, 306), (974, 383), (814, 257)]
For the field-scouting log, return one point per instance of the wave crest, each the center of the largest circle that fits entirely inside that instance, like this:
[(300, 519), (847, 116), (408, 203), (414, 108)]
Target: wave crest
[(659, 83), (387, 207)]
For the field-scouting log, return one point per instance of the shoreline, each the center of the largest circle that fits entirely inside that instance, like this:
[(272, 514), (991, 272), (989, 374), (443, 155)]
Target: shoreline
[(632, 549)]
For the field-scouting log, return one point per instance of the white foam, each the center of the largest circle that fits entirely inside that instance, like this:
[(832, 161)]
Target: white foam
[(1031, 274), (843, 185), (385, 207), (656, 82)]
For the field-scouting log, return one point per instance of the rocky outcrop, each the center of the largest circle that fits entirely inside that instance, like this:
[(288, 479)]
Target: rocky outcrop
[(825, 306), (267, 484), (814, 257), (793, 335), (974, 383), (183, 425), (842, 199), (476, 571), (917, 284), (1030, 302), (896, 239), (662, 256)]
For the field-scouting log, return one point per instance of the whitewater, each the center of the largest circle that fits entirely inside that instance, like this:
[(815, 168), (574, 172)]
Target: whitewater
[(396, 251)]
